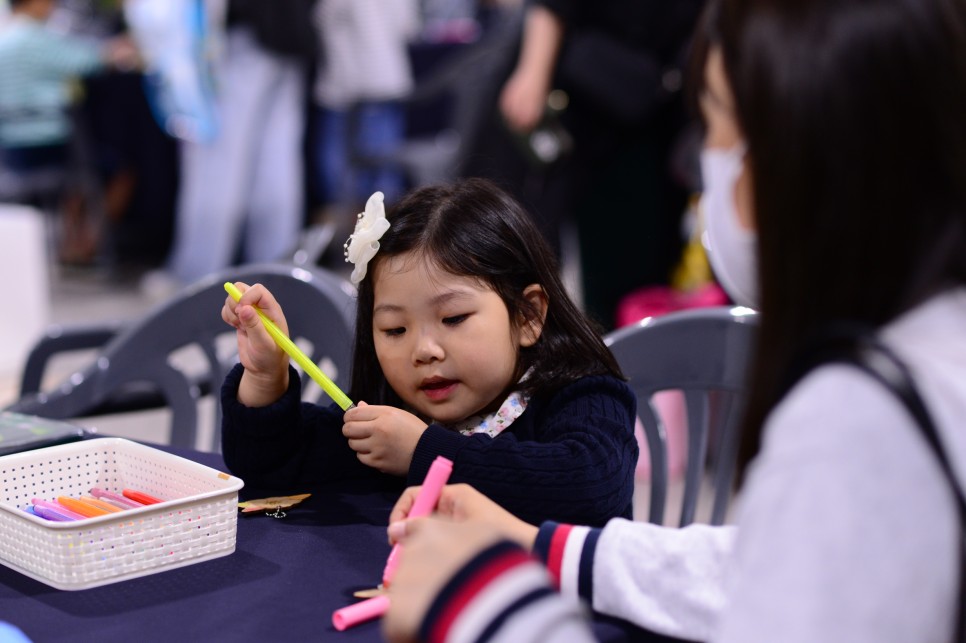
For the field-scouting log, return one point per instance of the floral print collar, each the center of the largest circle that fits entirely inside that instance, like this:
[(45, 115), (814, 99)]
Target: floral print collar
[(495, 423)]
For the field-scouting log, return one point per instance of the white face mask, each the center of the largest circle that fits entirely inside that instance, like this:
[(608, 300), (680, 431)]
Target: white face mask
[(731, 248)]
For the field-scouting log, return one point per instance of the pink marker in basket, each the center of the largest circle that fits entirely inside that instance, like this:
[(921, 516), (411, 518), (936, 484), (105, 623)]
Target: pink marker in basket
[(424, 504), (58, 508), (117, 499), (48, 514)]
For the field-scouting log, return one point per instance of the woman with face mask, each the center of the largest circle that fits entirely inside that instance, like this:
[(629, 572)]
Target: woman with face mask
[(835, 198)]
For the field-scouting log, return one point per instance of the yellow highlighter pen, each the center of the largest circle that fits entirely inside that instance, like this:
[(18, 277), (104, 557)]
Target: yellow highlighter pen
[(296, 354)]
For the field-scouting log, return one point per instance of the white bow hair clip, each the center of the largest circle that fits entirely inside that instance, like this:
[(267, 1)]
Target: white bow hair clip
[(363, 243)]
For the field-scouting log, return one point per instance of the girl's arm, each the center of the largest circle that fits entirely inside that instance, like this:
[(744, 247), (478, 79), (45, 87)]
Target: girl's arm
[(570, 458), (265, 378), (286, 443)]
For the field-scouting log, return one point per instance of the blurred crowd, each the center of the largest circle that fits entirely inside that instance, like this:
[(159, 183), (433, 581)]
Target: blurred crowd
[(173, 138)]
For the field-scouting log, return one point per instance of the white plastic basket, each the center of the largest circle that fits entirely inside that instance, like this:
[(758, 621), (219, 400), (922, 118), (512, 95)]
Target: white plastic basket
[(197, 521)]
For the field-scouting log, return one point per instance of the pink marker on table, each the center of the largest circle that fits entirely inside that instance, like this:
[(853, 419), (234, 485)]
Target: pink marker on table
[(356, 613), (424, 504)]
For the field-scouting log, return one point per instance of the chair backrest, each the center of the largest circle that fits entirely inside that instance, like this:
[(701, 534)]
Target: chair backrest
[(704, 354), (320, 310)]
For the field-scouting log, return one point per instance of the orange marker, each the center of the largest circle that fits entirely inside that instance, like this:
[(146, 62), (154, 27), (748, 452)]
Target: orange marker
[(81, 507), (140, 496), (100, 504)]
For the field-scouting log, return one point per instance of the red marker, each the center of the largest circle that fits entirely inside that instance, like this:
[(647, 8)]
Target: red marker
[(140, 496)]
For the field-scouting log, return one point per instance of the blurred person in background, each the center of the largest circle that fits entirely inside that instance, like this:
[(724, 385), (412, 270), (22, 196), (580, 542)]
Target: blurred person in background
[(617, 64), (39, 70), (242, 193), (363, 73)]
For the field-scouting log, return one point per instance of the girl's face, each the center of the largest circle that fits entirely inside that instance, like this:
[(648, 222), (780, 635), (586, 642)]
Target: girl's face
[(445, 343), (723, 132)]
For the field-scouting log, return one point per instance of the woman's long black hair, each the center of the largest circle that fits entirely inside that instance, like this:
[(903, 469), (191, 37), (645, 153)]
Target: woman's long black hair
[(472, 228), (853, 115)]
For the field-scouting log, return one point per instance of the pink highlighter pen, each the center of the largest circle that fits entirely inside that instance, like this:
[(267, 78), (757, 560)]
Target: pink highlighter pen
[(375, 607), (117, 499), (425, 502), (51, 508)]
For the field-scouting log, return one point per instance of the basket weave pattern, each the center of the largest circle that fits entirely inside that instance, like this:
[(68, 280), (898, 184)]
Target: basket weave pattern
[(197, 522)]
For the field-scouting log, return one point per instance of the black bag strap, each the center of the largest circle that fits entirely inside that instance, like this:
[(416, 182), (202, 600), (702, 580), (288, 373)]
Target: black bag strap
[(862, 349)]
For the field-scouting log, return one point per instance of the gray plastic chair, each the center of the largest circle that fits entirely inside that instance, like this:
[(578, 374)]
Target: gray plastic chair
[(703, 353), (134, 370)]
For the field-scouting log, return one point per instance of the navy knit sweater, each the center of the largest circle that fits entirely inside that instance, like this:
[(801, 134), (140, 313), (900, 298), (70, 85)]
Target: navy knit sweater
[(568, 458)]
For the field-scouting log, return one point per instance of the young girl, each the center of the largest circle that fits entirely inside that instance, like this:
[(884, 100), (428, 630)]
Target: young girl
[(835, 192), (468, 347)]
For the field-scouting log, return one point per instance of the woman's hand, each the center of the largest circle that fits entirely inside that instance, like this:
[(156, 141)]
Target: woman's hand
[(383, 437), (266, 366), (435, 549), (463, 503), (524, 99), (465, 523), (524, 96)]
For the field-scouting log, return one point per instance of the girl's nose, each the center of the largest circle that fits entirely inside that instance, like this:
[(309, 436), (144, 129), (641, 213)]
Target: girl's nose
[(427, 349)]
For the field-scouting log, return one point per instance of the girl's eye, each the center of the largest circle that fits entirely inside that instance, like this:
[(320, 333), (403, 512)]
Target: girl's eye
[(454, 320), (394, 332)]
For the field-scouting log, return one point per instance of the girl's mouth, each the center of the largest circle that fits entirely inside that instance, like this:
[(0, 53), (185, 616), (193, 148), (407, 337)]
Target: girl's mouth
[(438, 389)]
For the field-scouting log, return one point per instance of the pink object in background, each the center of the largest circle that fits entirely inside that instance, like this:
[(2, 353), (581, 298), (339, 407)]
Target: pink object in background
[(654, 301), (670, 408)]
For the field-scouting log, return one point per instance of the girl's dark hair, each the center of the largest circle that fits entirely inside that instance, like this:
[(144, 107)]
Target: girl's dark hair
[(853, 114), (472, 228)]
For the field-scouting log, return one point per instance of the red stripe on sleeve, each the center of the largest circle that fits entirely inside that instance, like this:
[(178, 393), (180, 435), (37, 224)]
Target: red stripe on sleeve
[(471, 588), (558, 543)]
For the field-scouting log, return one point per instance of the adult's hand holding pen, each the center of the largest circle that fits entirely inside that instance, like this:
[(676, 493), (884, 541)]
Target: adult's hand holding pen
[(462, 503), (465, 523), (435, 549)]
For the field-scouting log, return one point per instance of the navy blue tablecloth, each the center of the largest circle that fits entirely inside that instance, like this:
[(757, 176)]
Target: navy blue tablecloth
[(282, 583)]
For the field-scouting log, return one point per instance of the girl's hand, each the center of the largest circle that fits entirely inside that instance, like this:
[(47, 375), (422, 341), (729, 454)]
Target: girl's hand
[(435, 550), (383, 437), (463, 503), (266, 365)]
